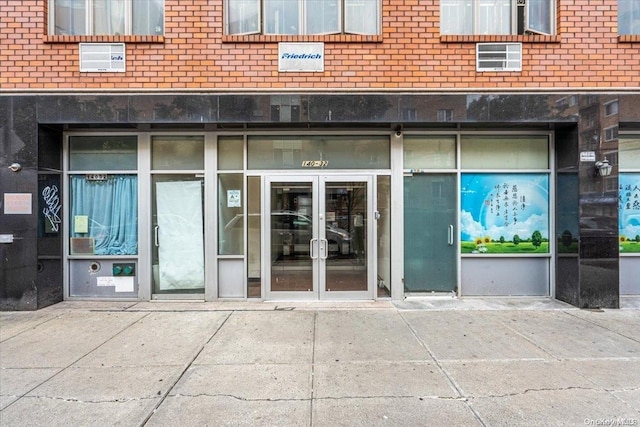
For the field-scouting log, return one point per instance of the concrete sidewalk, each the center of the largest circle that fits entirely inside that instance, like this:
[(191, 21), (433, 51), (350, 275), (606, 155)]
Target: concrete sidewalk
[(414, 363)]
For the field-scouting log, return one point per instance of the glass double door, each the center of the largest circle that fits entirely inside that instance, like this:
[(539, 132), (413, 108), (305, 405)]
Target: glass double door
[(318, 237)]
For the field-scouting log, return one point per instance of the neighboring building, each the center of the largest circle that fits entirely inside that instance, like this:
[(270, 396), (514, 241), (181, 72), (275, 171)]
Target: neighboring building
[(353, 149)]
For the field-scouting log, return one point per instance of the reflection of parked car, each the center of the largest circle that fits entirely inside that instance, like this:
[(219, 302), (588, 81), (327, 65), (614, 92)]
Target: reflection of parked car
[(293, 229)]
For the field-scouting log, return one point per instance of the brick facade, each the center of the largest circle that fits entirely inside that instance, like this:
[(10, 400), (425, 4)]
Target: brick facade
[(194, 54)]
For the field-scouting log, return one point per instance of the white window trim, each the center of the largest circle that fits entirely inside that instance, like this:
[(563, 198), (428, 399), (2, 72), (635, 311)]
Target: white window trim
[(302, 21), (89, 18), (515, 5)]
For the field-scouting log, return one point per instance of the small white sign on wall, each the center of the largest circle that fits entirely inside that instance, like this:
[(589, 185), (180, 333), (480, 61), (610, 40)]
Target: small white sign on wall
[(301, 57), (587, 156)]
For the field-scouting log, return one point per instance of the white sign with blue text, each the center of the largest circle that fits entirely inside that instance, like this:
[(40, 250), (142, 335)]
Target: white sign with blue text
[(301, 57)]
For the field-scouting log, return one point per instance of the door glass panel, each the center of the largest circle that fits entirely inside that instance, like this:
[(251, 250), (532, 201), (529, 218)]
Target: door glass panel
[(345, 238), (383, 224), (254, 233), (291, 235), (429, 239), (178, 247)]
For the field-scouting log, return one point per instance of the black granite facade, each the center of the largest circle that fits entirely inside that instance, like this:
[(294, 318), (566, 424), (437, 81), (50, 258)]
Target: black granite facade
[(31, 129)]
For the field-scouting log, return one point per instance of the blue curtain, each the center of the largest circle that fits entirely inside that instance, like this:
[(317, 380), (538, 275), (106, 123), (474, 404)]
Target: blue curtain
[(112, 208)]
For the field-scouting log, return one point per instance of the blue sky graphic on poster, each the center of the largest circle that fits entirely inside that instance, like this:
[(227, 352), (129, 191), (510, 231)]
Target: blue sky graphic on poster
[(504, 205), (629, 204)]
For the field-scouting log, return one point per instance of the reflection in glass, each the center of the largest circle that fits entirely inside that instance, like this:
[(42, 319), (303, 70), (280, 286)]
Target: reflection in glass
[(383, 200), (230, 153), (230, 217), (504, 152), (254, 233), (100, 153), (177, 153), (346, 237), (336, 152), (291, 234), (429, 152)]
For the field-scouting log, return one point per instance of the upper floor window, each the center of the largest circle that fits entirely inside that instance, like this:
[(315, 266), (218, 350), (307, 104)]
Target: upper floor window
[(628, 16), (300, 17), (497, 16), (106, 17)]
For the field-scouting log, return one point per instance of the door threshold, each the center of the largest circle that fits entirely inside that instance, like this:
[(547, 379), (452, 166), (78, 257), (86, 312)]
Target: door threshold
[(177, 297), (431, 295)]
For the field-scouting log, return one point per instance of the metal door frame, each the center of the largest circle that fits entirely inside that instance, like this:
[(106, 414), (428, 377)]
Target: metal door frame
[(318, 184)]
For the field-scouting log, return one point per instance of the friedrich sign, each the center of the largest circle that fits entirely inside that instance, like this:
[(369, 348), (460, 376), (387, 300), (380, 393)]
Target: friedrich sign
[(301, 57)]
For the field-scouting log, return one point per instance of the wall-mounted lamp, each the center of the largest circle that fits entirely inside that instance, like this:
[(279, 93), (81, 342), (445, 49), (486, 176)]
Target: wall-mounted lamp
[(602, 168), (15, 167)]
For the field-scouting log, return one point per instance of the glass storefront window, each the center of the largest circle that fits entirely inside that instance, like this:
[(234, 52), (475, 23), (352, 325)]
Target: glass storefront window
[(319, 152), (504, 152), (506, 213), (230, 216), (177, 152), (230, 153), (104, 214), (429, 152), (101, 153), (629, 150)]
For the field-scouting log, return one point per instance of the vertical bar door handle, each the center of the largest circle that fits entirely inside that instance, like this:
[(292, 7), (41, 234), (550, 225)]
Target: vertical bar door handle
[(312, 246), (324, 249), (450, 235), (155, 236)]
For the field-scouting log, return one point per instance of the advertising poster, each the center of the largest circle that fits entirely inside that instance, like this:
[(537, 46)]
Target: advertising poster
[(629, 212), (504, 213)]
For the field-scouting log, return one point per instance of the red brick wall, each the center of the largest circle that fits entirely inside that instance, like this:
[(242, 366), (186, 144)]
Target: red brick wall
[(410, 54)]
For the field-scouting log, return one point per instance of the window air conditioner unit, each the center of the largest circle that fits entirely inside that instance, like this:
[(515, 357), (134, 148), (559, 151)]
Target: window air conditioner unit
[(499, 57), (102, 58)]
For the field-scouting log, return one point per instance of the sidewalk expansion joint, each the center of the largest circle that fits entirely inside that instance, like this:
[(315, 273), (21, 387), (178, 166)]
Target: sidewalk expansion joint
[(326, 398)]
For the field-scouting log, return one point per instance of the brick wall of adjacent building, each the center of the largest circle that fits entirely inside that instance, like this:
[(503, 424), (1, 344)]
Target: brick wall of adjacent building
[(410, 54)]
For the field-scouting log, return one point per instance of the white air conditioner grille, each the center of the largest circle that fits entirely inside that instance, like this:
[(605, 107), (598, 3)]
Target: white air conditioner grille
[(499, 57), (102, 58)]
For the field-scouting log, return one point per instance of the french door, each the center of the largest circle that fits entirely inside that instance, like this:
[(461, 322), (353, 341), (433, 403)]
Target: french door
[(319, 233)]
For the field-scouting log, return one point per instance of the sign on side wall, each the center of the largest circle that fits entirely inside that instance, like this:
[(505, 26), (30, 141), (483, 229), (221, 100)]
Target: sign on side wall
[(301, 57), (17, 203)]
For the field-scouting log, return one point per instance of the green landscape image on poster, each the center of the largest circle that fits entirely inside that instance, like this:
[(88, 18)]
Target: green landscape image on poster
[(629, 212), (504, 213)]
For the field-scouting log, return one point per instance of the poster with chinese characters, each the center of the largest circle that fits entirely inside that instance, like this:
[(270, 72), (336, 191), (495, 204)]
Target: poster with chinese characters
[(504, 213), (629, 212)]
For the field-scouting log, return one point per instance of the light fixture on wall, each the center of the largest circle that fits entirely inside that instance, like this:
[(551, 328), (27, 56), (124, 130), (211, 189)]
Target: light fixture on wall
[(602, 168), (15, 167)]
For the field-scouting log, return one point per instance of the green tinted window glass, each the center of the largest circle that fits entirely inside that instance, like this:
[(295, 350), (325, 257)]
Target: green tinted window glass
[(319, 152), (505, 152), (429, 152), (629, 148), (177, 152), (102, 153)]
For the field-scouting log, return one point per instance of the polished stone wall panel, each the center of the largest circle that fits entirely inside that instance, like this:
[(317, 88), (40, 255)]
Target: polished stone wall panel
[(18, 259)]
